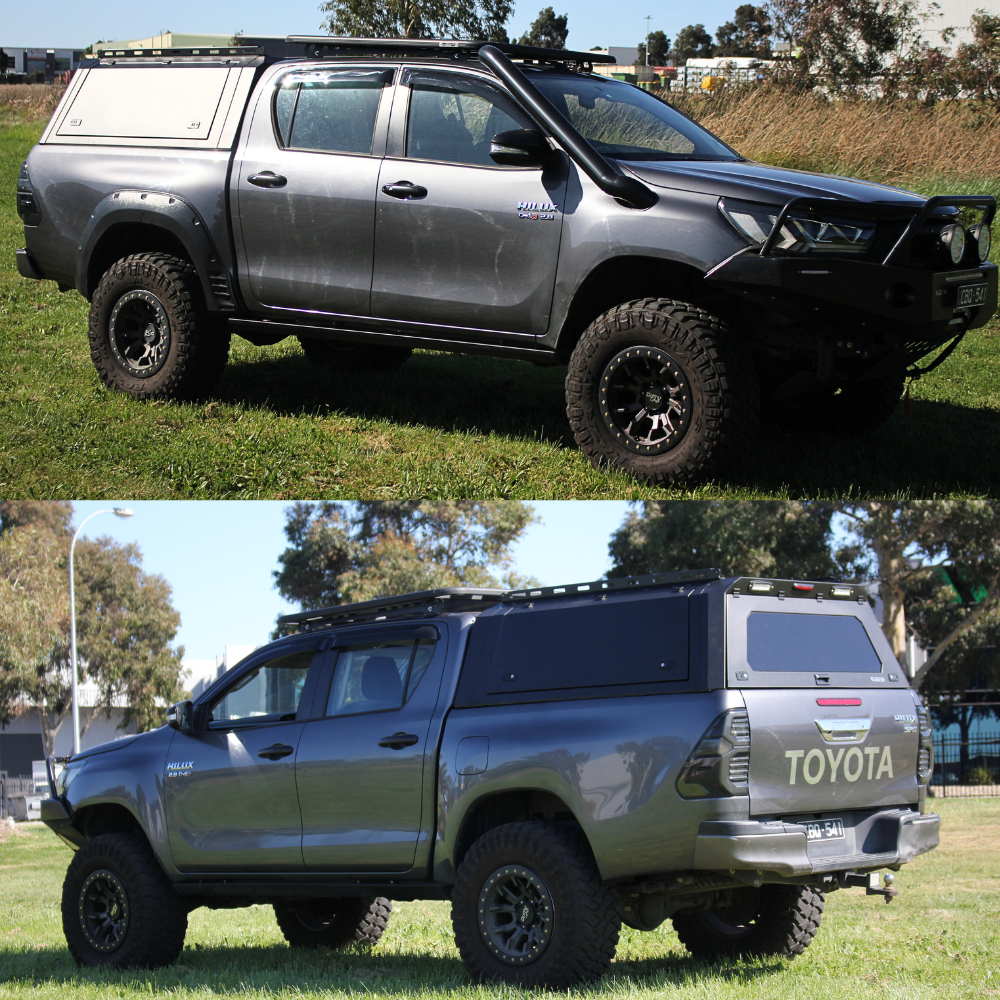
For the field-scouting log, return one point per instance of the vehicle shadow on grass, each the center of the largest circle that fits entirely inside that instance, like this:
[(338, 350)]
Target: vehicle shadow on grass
[(276, 968), (943, 448)]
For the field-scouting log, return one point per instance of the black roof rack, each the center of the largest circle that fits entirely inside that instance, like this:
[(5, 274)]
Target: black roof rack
[(168, 53), (445, 599), (320, 46)]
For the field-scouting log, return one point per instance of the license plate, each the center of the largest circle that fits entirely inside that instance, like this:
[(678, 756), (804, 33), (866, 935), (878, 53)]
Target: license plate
[(825, 829), (971, 295)]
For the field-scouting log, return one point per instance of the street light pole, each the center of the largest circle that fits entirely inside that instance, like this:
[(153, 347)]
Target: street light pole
[(649, 18), (118, 512)]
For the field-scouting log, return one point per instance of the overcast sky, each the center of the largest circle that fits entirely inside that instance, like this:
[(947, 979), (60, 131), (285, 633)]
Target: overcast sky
[(71, 24), (218, 557)]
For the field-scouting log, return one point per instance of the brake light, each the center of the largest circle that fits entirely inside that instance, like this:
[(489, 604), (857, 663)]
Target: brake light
[(720, 764), (838, 701), (803, 586)]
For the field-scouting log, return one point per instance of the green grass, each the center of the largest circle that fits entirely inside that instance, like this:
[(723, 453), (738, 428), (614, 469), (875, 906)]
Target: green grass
[(938, 939), (443, 425)]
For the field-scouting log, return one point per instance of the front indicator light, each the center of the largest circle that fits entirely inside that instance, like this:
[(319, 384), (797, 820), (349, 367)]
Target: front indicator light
[(952, 239)]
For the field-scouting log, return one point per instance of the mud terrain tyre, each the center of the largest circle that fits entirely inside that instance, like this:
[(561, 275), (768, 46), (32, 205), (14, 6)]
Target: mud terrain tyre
[(333, 923), (150, 333), (119, 909), (529, 908), (340, 354), (771, 920), (658, 389)]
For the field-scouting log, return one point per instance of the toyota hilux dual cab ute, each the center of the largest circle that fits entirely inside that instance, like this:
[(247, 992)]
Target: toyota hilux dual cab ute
[(372, 196), (555, 762)]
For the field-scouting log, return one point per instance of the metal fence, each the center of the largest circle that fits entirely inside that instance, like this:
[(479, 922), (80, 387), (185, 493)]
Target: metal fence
[(12, 786), (964, 768)]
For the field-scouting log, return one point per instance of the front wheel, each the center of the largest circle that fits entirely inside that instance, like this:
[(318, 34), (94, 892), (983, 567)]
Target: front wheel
[(333, 923), (660, 390), (529, 908), (771, 920), (119, 908)]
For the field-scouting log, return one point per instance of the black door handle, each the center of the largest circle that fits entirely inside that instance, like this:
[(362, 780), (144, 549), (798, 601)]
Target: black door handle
[(268, 179), (398, 740), (276, 751), (405, 190)]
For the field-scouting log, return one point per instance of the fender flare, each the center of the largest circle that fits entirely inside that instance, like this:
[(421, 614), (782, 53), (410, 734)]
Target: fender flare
[(172, 214)]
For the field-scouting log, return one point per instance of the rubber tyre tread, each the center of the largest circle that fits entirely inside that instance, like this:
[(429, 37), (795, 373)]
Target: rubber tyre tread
[(326, 352), (361, 920), (158, 916), (587, 920), (789, 919), (720, 371), (199, 345)]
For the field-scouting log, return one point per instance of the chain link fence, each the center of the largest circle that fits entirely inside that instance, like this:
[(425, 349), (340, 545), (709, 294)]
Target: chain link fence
[(966, 768)]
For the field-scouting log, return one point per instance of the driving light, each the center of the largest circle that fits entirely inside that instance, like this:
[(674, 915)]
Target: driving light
[(952, 238), (983, 238), (800, 233)]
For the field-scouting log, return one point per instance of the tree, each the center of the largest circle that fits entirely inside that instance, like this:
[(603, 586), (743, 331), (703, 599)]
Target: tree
[(338, 555), (547, 31), (483, 19), (975, 69), (659, 49), (747, 34), (693, 42), (125, 622)]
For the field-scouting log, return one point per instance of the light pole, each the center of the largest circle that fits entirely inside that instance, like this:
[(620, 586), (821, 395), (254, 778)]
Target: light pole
[(649, 17), (118, 512)]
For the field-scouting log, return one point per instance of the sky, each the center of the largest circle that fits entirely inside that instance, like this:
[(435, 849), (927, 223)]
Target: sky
[(218, 557), (71, 24)]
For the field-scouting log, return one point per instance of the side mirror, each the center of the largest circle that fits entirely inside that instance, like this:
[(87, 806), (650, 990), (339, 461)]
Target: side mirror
[(520, 147), (181, 716)]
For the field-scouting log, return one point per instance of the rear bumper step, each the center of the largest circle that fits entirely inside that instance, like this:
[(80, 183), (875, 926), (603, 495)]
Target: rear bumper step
[(781, 847)]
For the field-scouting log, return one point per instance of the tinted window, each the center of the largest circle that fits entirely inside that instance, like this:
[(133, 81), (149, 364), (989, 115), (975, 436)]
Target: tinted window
[(454, 118), (330, 112), (593, 644), (626, 122), (268, 693), (374, 676), (808, 643)]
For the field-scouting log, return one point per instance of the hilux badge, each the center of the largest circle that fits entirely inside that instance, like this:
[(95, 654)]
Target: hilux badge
[(544, 210)]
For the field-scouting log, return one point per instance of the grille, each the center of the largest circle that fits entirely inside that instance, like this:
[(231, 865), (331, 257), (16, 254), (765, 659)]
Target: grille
[(739, 767)]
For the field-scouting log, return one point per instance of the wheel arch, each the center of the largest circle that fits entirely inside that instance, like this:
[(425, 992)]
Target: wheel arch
[(106, 817), (129, 222), (621, 278)]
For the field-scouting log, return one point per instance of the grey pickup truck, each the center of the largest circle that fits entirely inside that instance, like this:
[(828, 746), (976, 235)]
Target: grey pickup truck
[(555, 762), (372, 196)]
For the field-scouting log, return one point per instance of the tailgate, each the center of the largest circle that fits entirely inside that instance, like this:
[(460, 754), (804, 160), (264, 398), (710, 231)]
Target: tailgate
[(809, 757)]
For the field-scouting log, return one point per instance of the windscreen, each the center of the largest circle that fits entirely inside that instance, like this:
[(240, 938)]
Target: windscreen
[(627, 123), (778, 641)]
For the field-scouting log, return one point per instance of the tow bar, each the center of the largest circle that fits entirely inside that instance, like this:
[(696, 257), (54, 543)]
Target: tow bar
[(869, 883)]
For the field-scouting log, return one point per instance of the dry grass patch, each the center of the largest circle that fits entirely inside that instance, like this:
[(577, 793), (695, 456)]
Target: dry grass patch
[(28, 102)]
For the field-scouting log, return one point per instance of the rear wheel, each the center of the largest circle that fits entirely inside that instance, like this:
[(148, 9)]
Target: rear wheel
[(341, 354), (659, 389), (119, 908), (333, 923), (150, 333), (771, 920)]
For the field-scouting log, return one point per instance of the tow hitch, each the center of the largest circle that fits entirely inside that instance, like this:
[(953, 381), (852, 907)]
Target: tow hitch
[(870, 884)]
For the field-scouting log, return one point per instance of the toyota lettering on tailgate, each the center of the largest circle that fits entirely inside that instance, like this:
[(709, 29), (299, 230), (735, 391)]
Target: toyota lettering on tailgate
[(846, 763)]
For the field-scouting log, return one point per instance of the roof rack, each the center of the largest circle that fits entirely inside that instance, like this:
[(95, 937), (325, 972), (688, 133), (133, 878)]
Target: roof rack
[(444, 599), (320, 46), (229, 54), (622, 583)]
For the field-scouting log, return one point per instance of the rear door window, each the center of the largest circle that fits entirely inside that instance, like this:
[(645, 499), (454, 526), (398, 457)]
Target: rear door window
[(807, 643)]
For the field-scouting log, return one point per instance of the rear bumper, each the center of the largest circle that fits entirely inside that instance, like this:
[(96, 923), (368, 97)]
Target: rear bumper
[(26, 266), (872, 840)]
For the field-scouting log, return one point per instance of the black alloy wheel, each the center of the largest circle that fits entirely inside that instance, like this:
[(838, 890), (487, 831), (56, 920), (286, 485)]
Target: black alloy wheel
[(139, 333), (645, 400), (103, 910), (515, 914)]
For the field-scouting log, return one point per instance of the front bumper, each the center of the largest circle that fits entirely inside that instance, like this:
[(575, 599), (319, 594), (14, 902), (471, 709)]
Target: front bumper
[(875, 839), (57, 818), (904, 295)]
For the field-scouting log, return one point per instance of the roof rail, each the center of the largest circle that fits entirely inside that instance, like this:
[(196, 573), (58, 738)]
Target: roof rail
[(168, 53), (318, 46), (622, 583)]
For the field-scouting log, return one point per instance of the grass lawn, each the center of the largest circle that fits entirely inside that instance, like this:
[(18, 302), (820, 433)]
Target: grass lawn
[(938, 939), (443, 425)]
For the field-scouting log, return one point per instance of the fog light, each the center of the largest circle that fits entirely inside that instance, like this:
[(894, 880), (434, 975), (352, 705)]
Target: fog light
[(980, 232), (953, 240)]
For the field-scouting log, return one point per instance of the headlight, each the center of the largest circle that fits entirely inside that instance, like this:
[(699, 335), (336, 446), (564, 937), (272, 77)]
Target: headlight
[(65, 777), (805, 233), (982, 236), (952, 238)]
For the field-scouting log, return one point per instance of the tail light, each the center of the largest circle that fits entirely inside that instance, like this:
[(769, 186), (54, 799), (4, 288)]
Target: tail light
[(720, 763), (27, 207), (925, 752)]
